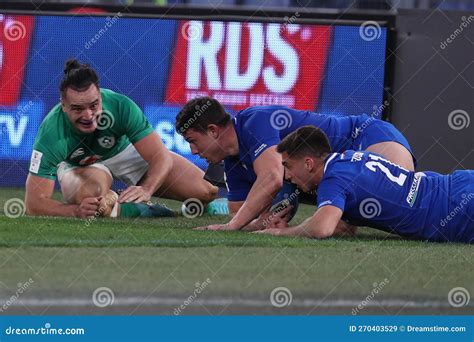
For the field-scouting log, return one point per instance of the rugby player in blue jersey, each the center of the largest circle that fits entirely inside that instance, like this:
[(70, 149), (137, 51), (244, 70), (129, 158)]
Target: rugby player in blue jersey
[(247, 145), (365, 189)]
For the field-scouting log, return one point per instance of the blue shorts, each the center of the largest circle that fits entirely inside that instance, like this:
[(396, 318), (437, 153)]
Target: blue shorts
[(461, 206), (380, 131)]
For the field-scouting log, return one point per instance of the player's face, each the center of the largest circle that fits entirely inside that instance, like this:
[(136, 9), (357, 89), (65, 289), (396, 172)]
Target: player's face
[(205, 145), (83, 108), (297, 172)]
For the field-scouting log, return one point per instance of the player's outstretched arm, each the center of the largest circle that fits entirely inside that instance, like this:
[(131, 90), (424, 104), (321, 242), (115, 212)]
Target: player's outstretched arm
[(38, 201), (154, 152), (321, 225), (269, 171)]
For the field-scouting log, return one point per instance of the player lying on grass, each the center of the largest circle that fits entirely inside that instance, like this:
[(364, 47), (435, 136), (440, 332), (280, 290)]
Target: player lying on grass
[(94, 136), (247, 144), (365, 189)]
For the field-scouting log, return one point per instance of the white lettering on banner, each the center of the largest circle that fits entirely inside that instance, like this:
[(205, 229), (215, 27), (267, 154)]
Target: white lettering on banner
[(204, 54), (171, 139), (15, 134), (285, 53), (203, 58), (234, 80)]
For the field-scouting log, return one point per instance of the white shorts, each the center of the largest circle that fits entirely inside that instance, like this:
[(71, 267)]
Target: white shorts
[(128, 166)]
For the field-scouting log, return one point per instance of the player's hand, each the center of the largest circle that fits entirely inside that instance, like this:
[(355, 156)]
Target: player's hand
[(88, 207), (135, 194), (225, 226), (278, 219)]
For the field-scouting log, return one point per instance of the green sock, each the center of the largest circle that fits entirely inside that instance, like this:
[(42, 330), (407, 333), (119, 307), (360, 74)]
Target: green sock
[(144, 210), (129, 210)]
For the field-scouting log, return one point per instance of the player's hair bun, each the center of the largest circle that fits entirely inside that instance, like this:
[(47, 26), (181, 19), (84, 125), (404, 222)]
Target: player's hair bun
[(71, 64), (78, 76)]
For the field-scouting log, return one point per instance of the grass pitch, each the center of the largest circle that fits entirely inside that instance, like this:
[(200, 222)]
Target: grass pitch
[(154, 266)]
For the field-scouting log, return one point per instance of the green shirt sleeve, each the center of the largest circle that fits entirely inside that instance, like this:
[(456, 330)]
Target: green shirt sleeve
[(136, 124), (43, 162)]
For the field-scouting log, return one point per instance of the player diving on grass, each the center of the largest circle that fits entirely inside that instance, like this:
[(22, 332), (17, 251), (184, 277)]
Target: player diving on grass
[(94, 136), (247, 145), (365, 189)]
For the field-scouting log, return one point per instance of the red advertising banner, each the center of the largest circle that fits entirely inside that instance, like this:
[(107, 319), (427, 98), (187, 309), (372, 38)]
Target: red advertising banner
[(15, 36), (247, 64)]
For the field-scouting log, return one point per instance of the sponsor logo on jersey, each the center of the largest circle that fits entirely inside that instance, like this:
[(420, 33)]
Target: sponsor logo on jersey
[(35, 162), (325, 203), (106, 141), (89, 160), (259, 149), (77, 153), (356, 157), (411, 198)]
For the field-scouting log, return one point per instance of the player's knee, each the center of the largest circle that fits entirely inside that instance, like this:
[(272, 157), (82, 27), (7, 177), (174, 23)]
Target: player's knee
[(83, 183), (210, 193)]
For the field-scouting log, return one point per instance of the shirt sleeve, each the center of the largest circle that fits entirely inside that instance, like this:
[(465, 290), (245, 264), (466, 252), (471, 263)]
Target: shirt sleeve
[(332, 191), (43, 162), (259, 134), (136, 124), (238, 187)]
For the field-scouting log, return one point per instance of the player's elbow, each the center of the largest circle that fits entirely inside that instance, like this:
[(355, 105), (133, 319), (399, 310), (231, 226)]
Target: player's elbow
[(274, 181), (31, 209), (322, 232)]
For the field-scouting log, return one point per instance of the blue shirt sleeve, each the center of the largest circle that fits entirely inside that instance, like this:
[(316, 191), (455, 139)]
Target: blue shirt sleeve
[(238, 186), (333, 191), (258, 134)]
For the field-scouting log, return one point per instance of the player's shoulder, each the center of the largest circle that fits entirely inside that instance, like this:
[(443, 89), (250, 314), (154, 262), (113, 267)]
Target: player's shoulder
[(261, 111), (53, 124), (111, 97), (345, 163)]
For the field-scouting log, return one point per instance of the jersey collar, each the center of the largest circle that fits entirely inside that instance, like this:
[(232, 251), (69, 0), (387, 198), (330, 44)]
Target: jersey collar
[(328, 159)]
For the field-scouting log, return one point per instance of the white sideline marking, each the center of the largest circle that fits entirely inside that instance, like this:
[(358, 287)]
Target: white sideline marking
[(170, 301)]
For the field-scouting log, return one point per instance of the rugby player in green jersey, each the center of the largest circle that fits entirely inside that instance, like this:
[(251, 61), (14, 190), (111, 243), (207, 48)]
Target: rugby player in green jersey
[(94, 136)]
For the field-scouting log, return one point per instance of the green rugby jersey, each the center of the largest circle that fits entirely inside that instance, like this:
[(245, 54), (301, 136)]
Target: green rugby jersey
[(121, 123)]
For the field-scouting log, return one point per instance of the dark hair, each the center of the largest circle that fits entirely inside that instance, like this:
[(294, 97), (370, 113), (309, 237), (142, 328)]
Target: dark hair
[(78, 76), (200, 112), (306, 140)]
